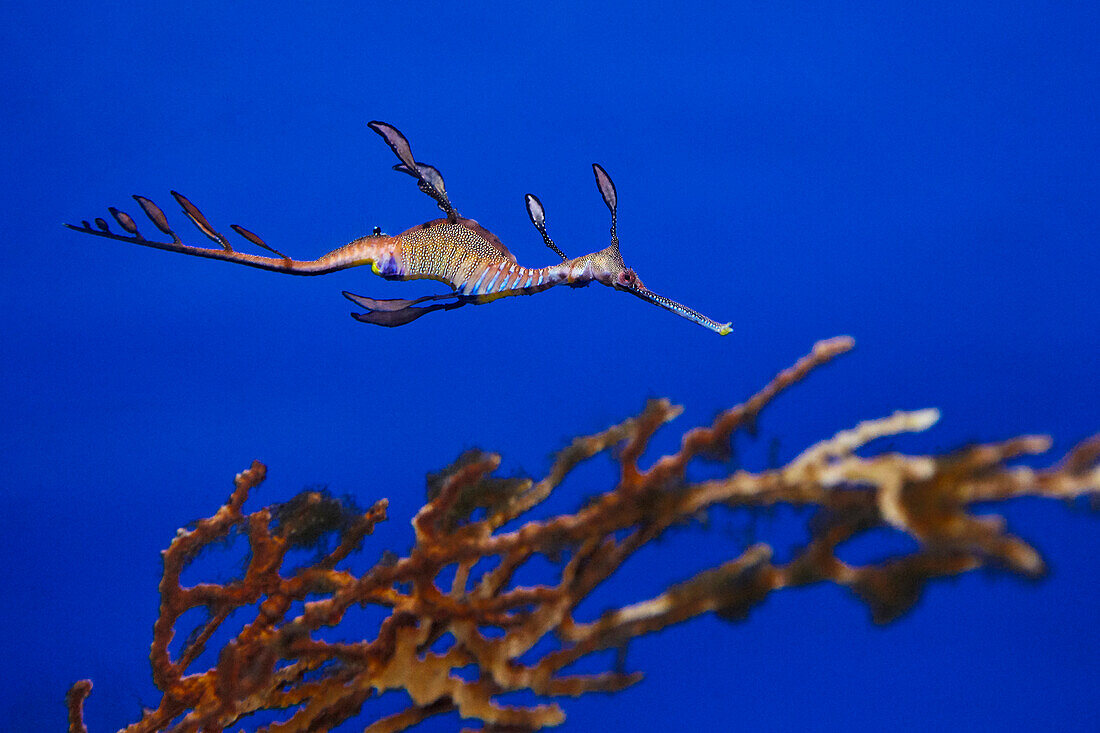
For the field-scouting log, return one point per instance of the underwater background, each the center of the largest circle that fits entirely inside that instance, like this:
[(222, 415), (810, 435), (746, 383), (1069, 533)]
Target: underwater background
[(923, 179)]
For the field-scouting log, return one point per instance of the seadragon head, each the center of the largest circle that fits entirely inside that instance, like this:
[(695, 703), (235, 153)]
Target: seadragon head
[(606, 266)]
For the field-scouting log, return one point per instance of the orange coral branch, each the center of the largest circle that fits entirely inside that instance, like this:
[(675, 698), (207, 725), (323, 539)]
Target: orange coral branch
[(279, 662)]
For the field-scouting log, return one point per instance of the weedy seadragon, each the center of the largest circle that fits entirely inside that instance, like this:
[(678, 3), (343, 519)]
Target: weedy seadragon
[(454, 250)]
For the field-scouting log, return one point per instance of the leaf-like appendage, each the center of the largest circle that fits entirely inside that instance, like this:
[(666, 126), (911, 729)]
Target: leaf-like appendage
[(607, 188), (535, 211), (198, 219), (124, 220), (397, 142), (155, 214)]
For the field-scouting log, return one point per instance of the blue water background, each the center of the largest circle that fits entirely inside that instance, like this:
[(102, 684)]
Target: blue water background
[(922, 178)]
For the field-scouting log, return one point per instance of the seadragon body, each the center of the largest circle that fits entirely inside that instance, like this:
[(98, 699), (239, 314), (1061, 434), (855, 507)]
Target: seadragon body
[(454, 250)]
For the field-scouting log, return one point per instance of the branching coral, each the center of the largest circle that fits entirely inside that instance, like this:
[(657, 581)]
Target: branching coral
[(279, 662)]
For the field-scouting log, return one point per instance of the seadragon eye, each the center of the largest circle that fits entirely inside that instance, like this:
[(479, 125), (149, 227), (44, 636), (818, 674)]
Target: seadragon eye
[(627, 278)]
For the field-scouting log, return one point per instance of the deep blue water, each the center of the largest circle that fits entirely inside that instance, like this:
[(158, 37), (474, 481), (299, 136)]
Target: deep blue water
[(925, 180)]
